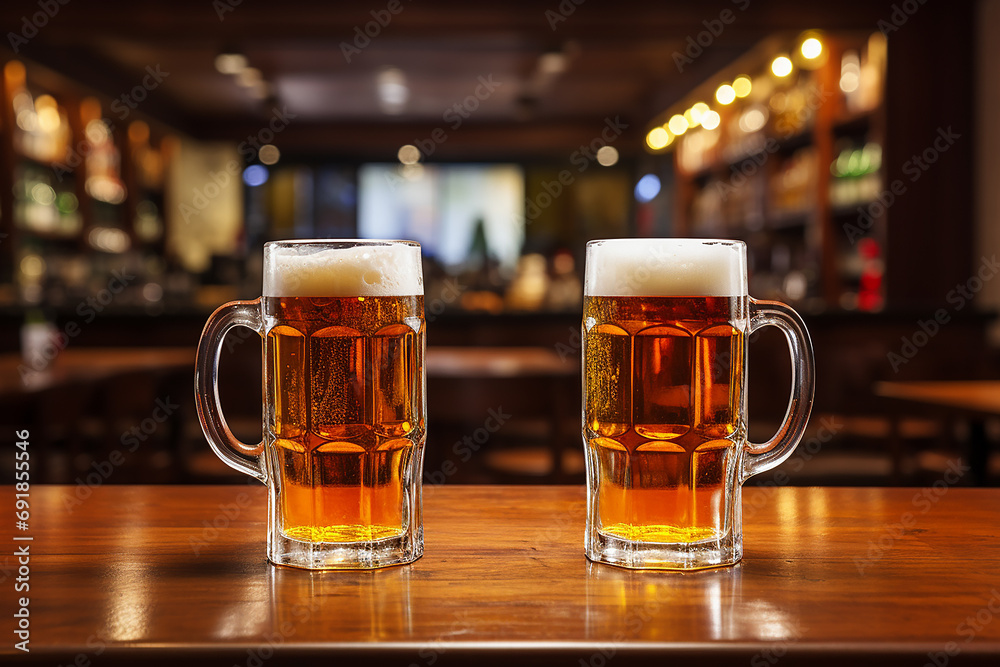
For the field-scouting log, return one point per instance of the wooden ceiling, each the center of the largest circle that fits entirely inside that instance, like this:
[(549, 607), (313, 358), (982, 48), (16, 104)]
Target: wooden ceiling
[(620, 62)]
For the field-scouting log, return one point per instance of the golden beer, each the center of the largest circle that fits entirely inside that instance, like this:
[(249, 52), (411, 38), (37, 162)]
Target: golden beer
[(345, 397), (662, 415), (342, 452), (665, 326)]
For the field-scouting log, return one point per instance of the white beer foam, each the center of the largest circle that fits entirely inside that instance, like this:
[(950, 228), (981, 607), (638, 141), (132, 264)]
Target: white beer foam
[(665, 267), (367, 270)]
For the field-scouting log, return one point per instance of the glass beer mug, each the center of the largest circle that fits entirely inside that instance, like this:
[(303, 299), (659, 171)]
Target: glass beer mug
[(665, 327), (344, 431)]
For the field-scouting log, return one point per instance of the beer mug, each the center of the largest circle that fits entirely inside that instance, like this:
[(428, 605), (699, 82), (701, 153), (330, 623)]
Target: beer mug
[(344, 429), (665, 326)]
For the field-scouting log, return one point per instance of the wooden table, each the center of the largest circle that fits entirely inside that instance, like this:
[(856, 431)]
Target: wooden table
[(973, 401), (177, 575), (78, 365)]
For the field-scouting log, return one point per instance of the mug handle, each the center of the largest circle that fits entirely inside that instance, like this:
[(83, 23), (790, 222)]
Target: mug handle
[(762, 457), (237, 455)]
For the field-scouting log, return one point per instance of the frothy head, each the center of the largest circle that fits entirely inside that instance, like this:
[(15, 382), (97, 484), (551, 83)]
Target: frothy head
[(665, 267), (323, 269)]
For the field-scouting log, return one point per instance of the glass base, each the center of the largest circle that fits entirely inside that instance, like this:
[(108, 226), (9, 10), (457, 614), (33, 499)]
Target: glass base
[(396, 550), (716, 552)]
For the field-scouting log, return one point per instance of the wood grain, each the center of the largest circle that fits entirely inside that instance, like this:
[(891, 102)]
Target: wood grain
[(139, 575)]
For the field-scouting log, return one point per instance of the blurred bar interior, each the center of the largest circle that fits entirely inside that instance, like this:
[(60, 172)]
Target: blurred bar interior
[(146, 153)]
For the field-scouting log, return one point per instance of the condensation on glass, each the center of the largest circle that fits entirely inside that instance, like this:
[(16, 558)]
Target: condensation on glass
[(344, 418), (665, 327)]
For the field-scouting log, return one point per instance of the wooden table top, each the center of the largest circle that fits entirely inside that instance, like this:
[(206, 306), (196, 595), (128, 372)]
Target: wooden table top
[(972, 396), (150, 574), (88, 364)]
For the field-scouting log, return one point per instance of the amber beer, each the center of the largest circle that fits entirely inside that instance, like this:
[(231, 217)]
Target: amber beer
[(665, 327), (664, 388), (347, 410), (344, 380), (343, 388)]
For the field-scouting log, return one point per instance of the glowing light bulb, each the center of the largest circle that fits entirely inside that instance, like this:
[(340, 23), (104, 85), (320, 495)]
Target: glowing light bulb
[(408, 154), (742, 86), (710, 120), (607, 156), (811, 48), (781, 66), (677, 124), (725, 94), (658, 138)]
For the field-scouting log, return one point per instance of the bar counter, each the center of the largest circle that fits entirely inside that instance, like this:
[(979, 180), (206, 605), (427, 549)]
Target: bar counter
[(177, 575)]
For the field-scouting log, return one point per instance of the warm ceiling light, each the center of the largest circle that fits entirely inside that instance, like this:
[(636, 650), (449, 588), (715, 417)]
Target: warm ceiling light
[(753, 119), (408, 154), (249, 77), (392, 90), (725, 94), (811, 48), (697, 110), (230, 63), (268, 154), (677, 124), (742, 86), (710, 120), (658, 138), (781, 66), (607, 156), (553, 62)]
